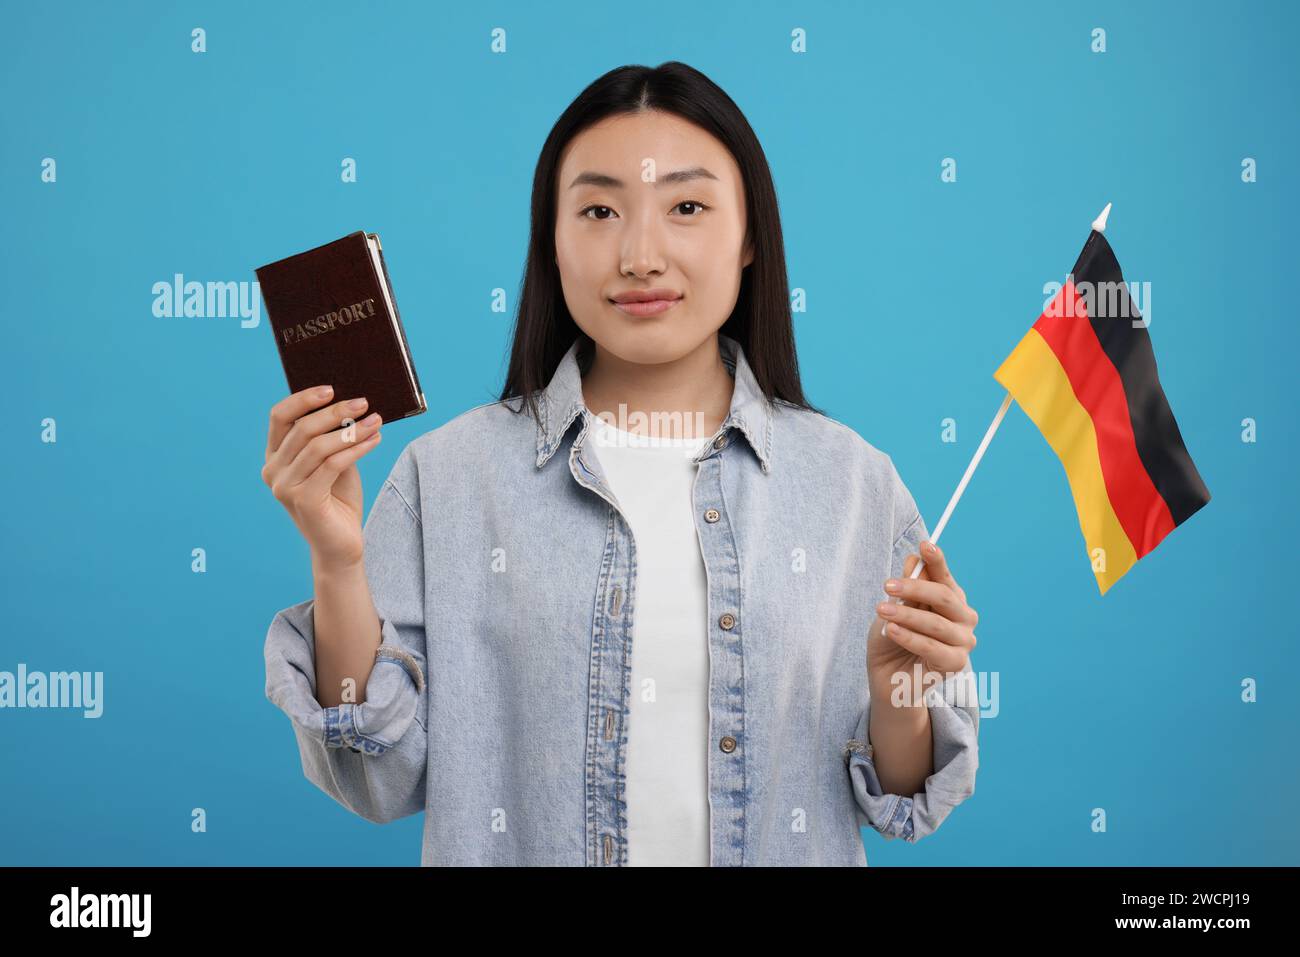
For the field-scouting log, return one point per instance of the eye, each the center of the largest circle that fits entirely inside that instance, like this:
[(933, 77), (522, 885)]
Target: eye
[(587, 209), (691, 202)]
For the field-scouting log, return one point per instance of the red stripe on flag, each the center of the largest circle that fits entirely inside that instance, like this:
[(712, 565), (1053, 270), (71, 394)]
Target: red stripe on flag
[(1142, 511)]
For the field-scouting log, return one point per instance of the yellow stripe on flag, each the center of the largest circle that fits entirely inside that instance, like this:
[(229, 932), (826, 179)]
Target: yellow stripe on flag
[(1034, 377)]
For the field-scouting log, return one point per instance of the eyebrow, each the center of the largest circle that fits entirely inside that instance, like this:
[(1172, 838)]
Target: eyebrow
[(613, 182)]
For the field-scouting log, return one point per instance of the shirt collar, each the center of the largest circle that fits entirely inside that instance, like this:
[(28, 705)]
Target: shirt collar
[(751, 412)]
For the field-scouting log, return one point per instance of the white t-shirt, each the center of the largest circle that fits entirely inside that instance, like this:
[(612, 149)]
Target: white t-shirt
[(668, 728)]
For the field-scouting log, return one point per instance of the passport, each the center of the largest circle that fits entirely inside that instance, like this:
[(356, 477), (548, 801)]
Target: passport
[(335, 322)]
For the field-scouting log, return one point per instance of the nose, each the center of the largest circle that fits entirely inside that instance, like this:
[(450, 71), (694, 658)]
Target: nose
[(642, 252)]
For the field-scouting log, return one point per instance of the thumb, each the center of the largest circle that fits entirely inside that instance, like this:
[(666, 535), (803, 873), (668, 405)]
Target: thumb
[(909, 563)]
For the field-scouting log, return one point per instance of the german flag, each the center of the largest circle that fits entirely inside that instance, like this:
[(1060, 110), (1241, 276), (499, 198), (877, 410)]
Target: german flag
[(1085, 374)]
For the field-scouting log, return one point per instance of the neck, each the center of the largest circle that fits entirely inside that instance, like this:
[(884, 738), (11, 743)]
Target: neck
[(695, 388)]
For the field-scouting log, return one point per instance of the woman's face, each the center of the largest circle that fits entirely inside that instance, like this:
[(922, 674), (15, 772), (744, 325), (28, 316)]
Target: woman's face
[(649, 202)]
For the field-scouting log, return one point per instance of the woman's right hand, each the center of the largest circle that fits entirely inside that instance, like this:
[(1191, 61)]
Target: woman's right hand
[(311, 469)]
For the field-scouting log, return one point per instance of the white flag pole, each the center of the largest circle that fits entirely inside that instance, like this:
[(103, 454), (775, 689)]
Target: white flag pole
[(970, 470), (1099, 224)]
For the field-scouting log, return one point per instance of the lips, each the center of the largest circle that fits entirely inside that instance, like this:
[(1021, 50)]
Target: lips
[(647, 295), (646, 302)]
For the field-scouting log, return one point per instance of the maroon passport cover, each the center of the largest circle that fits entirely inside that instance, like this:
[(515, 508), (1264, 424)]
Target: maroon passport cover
[(333, 326)]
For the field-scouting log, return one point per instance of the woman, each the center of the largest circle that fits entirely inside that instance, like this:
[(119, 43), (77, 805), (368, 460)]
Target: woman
[(652, 650)]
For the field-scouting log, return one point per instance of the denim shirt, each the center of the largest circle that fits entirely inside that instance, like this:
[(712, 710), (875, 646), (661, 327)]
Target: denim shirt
[(505, 574)]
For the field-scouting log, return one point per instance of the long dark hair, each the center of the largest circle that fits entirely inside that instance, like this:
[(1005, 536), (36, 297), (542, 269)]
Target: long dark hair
[(760, 322)]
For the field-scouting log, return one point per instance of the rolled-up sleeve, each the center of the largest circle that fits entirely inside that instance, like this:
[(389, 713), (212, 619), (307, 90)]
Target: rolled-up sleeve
[(370, 756), (954, 722)]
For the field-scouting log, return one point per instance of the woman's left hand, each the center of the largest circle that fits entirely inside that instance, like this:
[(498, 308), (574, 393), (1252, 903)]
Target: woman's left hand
[(935, 626)]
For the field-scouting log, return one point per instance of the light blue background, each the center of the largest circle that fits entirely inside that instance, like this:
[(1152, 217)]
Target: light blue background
[(209, 165)]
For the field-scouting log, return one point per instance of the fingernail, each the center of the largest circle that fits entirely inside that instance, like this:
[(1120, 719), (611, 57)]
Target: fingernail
[(371, 419), (930, 547), (886, 608), (357, 404), (891, 585), (324, 391)]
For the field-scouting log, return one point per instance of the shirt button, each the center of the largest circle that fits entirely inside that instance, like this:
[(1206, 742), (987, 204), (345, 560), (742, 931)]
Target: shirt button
[(720, 442), (727, 744), (712, 515), (727, 621)]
